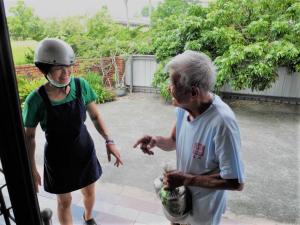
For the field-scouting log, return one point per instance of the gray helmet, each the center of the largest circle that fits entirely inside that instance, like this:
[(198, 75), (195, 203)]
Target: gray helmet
[(54, 51)]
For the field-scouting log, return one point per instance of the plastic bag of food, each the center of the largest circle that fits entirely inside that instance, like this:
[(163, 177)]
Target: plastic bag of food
[(176, 202)]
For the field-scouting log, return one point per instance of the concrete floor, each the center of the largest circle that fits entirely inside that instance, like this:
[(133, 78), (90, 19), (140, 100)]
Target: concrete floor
[(270, 149)]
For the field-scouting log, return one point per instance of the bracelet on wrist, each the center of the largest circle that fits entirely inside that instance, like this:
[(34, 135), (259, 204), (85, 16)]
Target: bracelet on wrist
[(109, 142)]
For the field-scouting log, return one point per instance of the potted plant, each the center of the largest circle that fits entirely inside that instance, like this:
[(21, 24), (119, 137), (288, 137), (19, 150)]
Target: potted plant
[(120, 88), (119, 79)]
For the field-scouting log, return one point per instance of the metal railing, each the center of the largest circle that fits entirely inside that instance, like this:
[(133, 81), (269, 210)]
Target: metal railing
[(5, 205), (6, 212)]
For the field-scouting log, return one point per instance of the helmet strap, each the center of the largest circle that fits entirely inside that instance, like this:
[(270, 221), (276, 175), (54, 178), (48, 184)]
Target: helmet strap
[(56, 84)]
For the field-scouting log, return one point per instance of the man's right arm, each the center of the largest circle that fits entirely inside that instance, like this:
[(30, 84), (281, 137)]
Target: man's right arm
[(148, 142), (167, 143)]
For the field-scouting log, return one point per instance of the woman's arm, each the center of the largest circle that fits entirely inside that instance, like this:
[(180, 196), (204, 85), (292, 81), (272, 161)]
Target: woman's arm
[(30, 143), (100, 126), (97, 120)]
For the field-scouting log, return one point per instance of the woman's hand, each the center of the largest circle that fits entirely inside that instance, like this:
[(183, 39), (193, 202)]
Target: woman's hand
[(111, 149)]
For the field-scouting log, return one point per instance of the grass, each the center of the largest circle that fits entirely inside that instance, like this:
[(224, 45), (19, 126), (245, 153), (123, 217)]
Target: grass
[(19, 48)]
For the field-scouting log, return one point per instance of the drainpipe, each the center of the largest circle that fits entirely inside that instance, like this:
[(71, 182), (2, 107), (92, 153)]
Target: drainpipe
[(130, 72)]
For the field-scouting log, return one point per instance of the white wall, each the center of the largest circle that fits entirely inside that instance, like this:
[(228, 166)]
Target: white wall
[(286, 85), (140, 69)]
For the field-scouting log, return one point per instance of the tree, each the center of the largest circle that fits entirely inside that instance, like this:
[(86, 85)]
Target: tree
[(65, 28), (23, 24), (168, 8), (247, 47), (90, 37), (102, 36)]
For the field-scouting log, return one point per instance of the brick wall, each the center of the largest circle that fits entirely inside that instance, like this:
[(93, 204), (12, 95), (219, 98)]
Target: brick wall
[(81, 66), (28, 70), (109, 69)]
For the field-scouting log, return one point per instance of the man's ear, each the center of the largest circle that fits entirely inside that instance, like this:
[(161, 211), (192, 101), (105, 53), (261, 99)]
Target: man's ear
[(195, 91)]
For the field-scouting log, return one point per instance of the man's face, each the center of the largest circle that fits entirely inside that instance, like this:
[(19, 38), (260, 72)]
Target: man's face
[(180, 96)]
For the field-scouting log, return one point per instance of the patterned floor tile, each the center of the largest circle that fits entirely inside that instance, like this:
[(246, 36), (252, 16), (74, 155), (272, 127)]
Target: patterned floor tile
[(151, 219), (127, 213), (107, 219), (100, 206), (140, 205), (108, 197)]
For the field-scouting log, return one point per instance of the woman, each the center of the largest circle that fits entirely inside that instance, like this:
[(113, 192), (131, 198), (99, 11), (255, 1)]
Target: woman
[(60, 106)]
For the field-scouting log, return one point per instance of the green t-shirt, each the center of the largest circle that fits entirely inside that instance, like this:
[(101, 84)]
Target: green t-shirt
[(34, 111)]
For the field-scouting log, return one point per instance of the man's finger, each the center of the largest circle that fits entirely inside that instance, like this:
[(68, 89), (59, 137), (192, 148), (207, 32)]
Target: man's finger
[(143, 140), (138, 142), (150, 152), (146, 151), (144, 147), (152, 143)]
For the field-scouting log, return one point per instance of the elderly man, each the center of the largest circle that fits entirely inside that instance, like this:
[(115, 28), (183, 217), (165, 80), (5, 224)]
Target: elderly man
[(206, 138)]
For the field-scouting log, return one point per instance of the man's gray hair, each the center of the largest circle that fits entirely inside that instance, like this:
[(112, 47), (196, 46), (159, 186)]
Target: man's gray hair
[(195, 70)]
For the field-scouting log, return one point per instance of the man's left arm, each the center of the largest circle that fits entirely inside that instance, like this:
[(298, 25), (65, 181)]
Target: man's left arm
[(230, 175), (214, 181)]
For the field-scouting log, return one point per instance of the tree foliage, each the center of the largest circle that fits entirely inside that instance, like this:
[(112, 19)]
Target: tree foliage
[(104, 37), (90, 37), (23, 24), (248, 40), (168, 8), (64, 28)]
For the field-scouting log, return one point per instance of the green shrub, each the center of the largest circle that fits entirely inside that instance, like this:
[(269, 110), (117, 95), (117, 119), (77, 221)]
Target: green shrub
[(103, 94), (29, 56), (27, 85), (161, 81), (164, 90)]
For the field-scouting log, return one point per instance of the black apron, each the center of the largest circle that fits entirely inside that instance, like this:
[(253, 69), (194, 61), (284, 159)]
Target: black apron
[(70, 161)]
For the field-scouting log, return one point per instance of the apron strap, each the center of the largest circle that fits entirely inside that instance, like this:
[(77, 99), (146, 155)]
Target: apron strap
[(78, 87), (43, 94)]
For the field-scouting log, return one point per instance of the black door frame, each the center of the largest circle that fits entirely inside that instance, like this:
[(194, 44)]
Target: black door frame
[(13, 153)]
